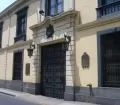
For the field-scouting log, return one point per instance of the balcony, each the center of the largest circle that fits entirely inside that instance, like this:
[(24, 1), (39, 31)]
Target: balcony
[(20, 38), (108, 9)]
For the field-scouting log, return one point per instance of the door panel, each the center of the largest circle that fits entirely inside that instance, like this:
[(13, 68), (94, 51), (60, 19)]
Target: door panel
[(18, 66), (53, 59)]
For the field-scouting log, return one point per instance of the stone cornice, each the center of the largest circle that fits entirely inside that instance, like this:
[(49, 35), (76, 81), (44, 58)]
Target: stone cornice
[(49, 19), (17, 45), (99, 22)]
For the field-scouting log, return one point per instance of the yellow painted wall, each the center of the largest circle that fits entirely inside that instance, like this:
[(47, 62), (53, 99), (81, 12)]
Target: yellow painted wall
[(9, 73), (9, 27), (86, 41), (32, 18), (1, 65), (87, 10), (5, 33), (9, 31), (12, 26), (27, 60)]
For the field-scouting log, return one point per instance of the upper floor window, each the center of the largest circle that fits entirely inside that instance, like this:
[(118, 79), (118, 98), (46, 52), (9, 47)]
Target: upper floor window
[(1, 30), (21, 25), (53, 7), (107, 7)]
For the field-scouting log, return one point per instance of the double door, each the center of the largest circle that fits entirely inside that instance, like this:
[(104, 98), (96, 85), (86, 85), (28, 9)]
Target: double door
[(53, 64)]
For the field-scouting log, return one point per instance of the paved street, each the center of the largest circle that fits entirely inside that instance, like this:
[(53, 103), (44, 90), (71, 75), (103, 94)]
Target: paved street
[(9, 100)]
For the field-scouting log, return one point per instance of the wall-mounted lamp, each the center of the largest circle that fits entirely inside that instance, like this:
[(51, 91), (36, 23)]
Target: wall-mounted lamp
[(67, 40), (30, 50), (42, 12)]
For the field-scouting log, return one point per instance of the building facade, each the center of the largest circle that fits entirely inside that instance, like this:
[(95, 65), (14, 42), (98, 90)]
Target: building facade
[(66, 49), (51, 38), (16, 38), (98, 38)]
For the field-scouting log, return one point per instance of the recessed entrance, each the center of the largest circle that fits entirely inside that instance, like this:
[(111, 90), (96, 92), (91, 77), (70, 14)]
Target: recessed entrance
[(110, 51), (53, 66)]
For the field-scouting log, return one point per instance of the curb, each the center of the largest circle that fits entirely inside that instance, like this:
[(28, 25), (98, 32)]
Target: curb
[(8, 94)]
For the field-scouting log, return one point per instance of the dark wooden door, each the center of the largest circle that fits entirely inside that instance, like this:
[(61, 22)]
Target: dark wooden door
[(18, 66), (110, 46), (53, 65)]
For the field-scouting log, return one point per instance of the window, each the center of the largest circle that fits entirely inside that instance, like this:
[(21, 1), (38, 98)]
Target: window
[(18, 65), (53, 7), (1, 29), (21, 25)]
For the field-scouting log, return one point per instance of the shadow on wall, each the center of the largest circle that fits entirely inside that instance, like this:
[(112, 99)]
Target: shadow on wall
[(75, 73), (32, 10), (77, 76), (5, 25), (13, 21)]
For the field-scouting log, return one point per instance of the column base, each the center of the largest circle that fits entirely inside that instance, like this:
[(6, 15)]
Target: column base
[(69, 93)]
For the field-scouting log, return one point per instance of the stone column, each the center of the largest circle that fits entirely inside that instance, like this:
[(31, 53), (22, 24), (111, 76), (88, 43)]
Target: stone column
[(70, 64)]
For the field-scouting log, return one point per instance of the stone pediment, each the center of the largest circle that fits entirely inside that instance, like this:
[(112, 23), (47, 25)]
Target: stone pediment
[(48, 20)]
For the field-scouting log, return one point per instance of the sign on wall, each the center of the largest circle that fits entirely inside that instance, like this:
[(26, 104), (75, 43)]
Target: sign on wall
[(85, 59)]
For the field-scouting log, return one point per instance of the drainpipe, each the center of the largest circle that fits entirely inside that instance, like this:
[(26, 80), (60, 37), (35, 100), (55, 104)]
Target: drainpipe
[(74, 29)]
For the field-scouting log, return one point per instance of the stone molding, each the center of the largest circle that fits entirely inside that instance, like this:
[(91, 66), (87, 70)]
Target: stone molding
[(54, 19), (99, 22), (16, 45)]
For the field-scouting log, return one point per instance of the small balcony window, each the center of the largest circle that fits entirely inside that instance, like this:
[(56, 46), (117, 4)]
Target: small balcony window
[(21, 25), (107, 7), (53, 7)]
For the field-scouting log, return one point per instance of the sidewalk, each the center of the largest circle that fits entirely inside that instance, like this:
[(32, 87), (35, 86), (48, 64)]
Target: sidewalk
[(40, 99)]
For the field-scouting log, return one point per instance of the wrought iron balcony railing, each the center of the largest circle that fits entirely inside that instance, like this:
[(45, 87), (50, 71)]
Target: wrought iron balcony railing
[(108, 9), (20, 38)]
